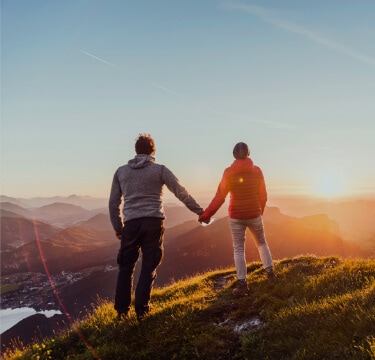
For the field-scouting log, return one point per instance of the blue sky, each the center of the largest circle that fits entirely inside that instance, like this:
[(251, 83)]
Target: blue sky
[(293, 79)]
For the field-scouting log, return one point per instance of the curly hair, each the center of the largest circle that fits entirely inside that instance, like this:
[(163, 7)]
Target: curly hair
[(144, 144)]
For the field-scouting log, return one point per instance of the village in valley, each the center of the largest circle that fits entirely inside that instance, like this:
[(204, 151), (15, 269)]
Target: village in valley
[(37, 290)]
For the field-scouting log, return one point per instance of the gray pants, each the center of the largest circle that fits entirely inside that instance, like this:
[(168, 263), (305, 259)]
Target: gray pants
[(238, 228)]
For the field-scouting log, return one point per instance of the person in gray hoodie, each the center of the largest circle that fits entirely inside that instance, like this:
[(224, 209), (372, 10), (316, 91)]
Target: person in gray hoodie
[(138, 186)]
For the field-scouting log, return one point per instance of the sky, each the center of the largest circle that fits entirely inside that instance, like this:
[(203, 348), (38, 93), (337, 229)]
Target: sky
[(294, 79)]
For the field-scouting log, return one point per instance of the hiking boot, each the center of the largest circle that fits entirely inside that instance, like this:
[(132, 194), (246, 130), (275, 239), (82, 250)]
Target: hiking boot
[(241, 289), (271, 276), (142, 312), (121, 316)]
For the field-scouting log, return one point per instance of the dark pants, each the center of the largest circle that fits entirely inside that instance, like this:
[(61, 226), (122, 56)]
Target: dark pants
[(146, 235)]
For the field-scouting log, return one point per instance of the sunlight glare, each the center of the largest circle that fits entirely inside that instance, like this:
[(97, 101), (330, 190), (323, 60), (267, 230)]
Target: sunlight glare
[(329, 185)]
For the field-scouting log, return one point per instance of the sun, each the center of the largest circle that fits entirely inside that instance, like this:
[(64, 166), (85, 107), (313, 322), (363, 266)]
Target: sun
[(329, 185)]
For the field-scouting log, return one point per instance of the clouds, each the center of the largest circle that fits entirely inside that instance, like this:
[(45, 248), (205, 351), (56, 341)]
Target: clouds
[(118, 68), (99, 59), (274, 17)]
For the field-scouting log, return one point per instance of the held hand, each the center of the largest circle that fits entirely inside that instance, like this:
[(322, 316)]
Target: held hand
[(204, 220)]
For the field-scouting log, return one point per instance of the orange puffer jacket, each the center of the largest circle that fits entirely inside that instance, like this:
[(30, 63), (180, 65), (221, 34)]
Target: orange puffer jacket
[(248, 195)]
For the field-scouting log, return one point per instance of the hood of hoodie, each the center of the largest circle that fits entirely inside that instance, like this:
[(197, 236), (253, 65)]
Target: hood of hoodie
[(141, 161), (241, 165)]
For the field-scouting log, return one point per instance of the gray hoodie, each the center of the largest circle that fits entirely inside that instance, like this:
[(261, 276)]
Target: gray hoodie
[(140, 185)]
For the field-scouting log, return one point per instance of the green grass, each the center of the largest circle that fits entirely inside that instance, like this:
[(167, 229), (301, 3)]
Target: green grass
[(7, 288), (319, 308)]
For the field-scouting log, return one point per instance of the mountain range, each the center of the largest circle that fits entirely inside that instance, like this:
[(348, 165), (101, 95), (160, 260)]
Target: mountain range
[(86, 202), (355, 217), (30, 245), (59, 237)]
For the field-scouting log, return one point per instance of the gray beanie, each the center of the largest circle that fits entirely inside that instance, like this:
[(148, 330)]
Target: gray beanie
[(241, 151)]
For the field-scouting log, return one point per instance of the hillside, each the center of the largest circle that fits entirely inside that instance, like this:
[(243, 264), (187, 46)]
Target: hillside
[(17, 230), (60, 213), (319, 308)]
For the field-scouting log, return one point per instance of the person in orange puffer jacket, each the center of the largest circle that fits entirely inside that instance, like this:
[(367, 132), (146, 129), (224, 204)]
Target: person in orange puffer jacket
[(248, 196)]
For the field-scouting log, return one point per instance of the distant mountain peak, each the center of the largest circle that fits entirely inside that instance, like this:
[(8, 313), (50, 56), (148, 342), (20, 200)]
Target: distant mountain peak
[(61, 205), (73, 196)]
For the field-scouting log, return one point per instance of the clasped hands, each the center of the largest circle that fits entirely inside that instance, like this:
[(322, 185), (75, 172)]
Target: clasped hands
[(204, 220)]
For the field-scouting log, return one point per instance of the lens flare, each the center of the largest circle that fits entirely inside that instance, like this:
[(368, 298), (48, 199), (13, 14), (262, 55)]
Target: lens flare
[(57, 295)]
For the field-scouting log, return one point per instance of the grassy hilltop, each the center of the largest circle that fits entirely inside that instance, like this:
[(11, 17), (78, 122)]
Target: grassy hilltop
[(319, 308)]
